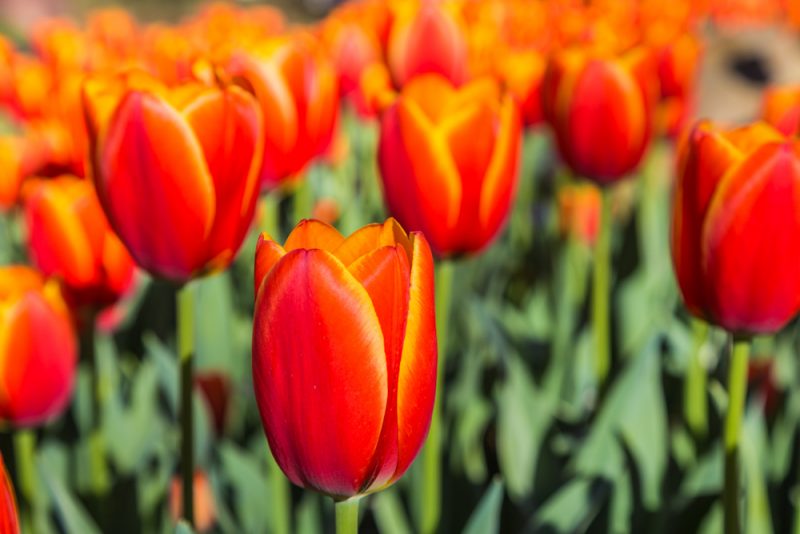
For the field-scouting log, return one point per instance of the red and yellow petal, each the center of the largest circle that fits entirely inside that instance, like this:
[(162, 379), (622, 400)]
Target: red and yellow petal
[(268, 253), (320, 372), (417, 378), (156, 187), (311, 233), (9, 520), (755, 289)]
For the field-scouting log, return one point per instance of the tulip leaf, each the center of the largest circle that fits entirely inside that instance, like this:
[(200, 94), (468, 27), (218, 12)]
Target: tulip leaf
[(572, 508), (522, 419), (754, 460), (71, 514), (485, 519), (308, 515), (389, 513), (250, 486), (183, 528)]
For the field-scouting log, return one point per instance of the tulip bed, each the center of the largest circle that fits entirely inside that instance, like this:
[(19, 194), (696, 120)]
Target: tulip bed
[(417, 267)]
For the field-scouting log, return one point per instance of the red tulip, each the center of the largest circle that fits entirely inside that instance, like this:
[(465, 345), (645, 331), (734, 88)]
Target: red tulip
[(38, 353), (69, 238), (449, 159), (428, 40), (579, 208), (9, 521), (735, 230), (346, 405), (205, 509), (296, 88), (601, 110), (175, 170)]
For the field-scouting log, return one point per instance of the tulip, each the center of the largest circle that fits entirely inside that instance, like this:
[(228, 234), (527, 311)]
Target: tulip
[(781, 109), (427, 40), (734, 226), (37, 361), (601, 110), (297, 90), (176, 171), (678, 63), (9, 521), (69, 238), (579, 208), (204, 504), (448, 159), (11, 174), (521, 71), (347, 405)]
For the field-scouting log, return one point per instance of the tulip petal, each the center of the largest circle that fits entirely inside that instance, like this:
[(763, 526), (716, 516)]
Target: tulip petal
[(156, 187), (311, 233), (439, 197), (384, 273), (227, 125), (417, 378), (370, 237), (320, 372), (750, 231), (704, 157), (268, 253), (9, 520), (501, 177)]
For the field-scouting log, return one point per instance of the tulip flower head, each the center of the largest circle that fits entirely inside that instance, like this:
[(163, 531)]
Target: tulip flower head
[(9, 521), (735, 230), (176, 170), (69, 238), (448, 159), (601, 110), (38, 351), (429, 39), (296, 87), (344, 354)]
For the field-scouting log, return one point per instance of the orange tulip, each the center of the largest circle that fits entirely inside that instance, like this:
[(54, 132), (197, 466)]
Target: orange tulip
[(175, 170), (522, 71), (449, 159), (296, 87), (9, 521), (427, 40), (678, 63), (205, 510), (735, 231), (69, 237), (347, 405), (38, 352), (601, 110), (781, 109), (579, 208)]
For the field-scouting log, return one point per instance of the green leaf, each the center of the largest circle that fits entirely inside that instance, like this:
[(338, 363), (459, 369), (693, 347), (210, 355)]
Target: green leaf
[(72, 515), (571, 509), (249, 482), (389, 513), (485, 519), (522, 420), (183, 528)]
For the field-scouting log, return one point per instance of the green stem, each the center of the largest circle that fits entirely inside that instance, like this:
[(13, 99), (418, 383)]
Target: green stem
[(694, 393), (28, 479), (279, 492), (737, 392), (98, 472), (428, 494), (601, 293), (347, 516), (185, 310)]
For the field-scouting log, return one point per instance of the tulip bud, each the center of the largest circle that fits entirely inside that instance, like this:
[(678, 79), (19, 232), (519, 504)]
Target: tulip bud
[(296, 88), (579, 208), (427, 40), (346, 405), (69, 238), (176, 171), (735, 231), (448, 159), (38, 356), (205, 511), (601, 110), (9, 521)]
